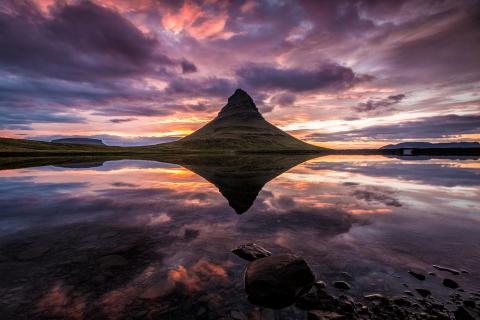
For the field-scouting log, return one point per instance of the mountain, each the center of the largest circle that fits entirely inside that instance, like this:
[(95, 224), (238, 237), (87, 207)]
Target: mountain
[(88, 141), (239, 126), (428, 145)]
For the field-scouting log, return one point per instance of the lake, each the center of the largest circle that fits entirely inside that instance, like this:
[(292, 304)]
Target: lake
[(139, 239)]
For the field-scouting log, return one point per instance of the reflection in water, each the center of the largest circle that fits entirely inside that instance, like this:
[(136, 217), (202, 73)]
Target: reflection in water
[(152, 238)]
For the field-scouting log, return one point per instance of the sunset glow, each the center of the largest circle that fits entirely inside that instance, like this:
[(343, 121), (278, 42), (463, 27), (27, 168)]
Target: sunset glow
[(339, 74)]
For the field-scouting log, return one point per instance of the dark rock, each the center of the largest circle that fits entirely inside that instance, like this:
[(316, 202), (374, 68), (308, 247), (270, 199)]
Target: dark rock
[(324, 315), (33, 252), (417, 275), (452, 271), (112, 261), (408, 292), (342, 285), (469, 304), (432, 274), (449, 283), (317, 298), (401, 301), (375, 297), (462, 314), (251, 251), (423, 292), (347, 275), (320, 285), (276, 281)]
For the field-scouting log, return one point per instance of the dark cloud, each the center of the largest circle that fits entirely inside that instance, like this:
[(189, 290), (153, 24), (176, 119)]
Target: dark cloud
[(122, 120), (188, 67), (284, 99), (328, 77), (376, 196), (385, 103), (206, 87), (19, 120), (81, 41), (425, 128)]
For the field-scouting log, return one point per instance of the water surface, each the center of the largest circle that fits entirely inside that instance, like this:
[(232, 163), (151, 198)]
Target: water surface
[(150, 239)]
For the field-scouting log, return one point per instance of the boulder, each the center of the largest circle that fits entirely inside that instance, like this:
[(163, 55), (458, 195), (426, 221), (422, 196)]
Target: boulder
[(276, 281), (342, 285), (449, 283), (417, 275), (251, 252)]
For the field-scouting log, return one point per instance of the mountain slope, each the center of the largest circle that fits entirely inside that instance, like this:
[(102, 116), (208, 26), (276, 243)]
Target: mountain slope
[(240, 126)]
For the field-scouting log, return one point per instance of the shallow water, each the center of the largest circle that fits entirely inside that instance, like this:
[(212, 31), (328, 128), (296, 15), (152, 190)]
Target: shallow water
[(170, 229)]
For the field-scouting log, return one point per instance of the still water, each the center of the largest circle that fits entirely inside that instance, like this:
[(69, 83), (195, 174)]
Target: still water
[(139, 239)]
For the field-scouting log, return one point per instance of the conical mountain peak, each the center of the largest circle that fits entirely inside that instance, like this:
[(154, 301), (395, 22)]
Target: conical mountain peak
[(239, 126), (239, 102)]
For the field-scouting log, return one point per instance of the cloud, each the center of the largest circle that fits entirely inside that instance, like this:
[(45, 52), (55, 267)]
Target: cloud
[(373, 105), (188, 67), (122, 120), (283, 99), (327, 77), (80, 41), (425, 128)]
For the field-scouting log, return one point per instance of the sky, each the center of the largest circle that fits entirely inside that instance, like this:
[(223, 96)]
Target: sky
[(340, 74)]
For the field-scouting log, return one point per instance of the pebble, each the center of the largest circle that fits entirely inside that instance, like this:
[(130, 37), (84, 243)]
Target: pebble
[(449, 283), (324, 315), (423, 292), (417, 275), (342, 285), (452, 271)]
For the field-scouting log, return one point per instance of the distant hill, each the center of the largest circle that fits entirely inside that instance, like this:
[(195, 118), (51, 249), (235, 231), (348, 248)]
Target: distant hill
[(428, 145), (89, 141), (239, 126)]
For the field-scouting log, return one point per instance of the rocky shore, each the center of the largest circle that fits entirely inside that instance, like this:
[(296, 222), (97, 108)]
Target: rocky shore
[(278, 281)]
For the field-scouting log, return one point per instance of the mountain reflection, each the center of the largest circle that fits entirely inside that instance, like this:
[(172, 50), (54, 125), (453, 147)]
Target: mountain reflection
[(151, 238), (239, 178)]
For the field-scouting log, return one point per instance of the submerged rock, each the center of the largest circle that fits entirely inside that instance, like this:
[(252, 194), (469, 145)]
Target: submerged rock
[(423, 292), (343, 285), (449, 283), (276, 281), (462, 314), (251, 252), (452, 271), (417, 275)]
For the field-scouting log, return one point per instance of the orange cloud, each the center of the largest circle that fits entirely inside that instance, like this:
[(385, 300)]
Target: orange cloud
[(198, 23)]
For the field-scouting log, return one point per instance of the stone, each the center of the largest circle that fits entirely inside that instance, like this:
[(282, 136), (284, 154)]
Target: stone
[(423, 292), (417, 275), (342, 285), (449, 283), (375, 297), (401, 301), (324, 315), (347, 275), (408, 292), (238, 315), (469, 304), (462, 314), (452, 271), (33, 252), (276, 281), (320, 284), (251, 252), (112, 261)]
